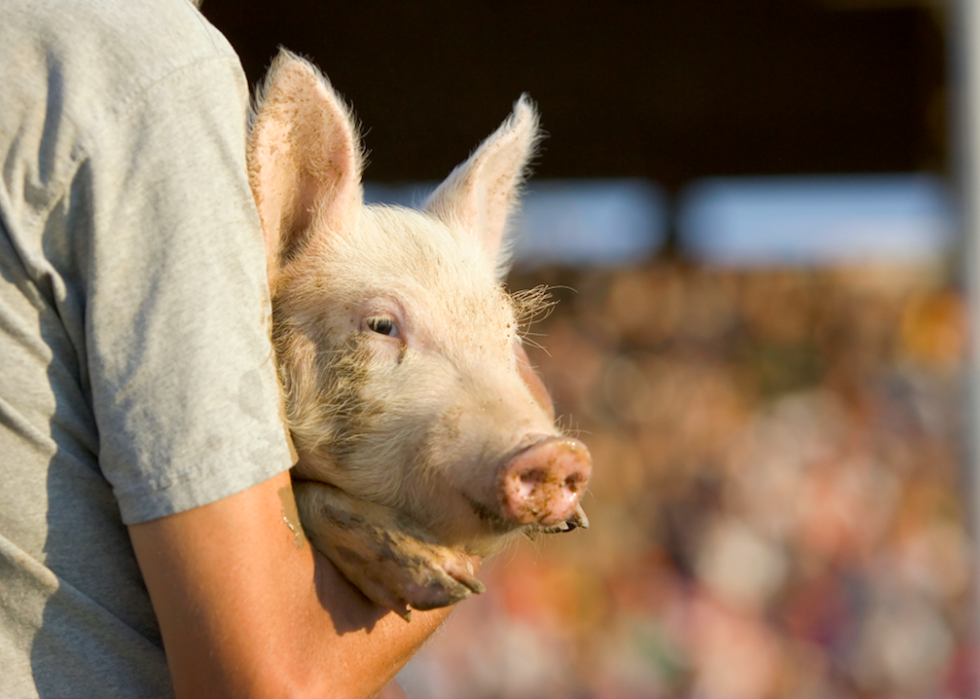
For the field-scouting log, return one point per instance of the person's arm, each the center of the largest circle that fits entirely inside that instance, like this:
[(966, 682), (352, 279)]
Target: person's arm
[(246, 612)]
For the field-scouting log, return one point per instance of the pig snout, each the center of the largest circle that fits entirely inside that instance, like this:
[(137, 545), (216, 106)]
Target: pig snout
[(542, 484)]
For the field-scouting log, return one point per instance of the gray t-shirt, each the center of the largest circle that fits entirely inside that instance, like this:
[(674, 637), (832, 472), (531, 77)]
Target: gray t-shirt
[(136, 373)]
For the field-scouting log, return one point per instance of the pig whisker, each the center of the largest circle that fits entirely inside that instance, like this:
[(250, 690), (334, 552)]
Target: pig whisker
[(532, 306), (564, 424), (526, 339)]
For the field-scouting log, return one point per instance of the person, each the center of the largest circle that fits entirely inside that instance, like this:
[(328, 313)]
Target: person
[(144, 549)]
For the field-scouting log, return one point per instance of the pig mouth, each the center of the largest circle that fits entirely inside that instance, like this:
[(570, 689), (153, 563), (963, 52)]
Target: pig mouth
[(498, 525), (489, 516)]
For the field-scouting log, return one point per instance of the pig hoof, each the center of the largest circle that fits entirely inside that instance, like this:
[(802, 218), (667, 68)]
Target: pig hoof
[(439, 579), (436, 594), (415, 574), (393, 563)]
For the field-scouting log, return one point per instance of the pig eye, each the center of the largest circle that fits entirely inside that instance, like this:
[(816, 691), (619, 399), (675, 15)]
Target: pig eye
[(382, 326)]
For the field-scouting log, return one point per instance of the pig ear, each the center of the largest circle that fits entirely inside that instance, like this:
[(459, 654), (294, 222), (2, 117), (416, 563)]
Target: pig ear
[(304, 159), (481, 193)]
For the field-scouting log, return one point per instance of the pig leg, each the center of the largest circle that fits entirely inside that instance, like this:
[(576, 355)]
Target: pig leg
[(388, 559)]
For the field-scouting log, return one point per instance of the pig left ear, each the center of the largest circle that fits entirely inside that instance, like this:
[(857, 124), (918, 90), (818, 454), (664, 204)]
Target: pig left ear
[(481, 193)]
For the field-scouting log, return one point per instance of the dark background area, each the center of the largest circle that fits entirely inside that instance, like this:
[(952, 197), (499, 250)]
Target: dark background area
[(663, 89)]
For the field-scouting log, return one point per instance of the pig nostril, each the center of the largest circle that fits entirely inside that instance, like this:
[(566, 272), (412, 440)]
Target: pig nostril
[(529, 481), (531, 477)]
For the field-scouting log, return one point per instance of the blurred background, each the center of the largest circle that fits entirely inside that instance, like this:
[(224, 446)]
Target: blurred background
[(745, 213)]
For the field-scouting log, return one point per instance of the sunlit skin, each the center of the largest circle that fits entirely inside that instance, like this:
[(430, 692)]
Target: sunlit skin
[(244, 612)]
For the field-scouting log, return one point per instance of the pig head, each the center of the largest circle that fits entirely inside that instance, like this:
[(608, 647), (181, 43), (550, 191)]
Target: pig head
[(421, 430)]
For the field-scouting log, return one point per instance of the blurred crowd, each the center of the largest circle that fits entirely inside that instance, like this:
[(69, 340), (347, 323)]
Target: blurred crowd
[(775, 505)]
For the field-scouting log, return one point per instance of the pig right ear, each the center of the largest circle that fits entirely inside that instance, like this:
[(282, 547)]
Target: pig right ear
[(304, 159), (482, 193)]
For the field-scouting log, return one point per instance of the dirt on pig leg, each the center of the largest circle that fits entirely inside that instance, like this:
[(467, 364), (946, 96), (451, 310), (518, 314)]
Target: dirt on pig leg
[(394, 566)]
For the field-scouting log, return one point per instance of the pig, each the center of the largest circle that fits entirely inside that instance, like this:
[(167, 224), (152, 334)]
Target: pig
[(423, 436)]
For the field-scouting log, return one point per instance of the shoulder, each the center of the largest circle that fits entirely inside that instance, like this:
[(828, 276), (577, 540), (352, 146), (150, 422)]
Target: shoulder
[(87, 59), (134, 33), (72, 71)]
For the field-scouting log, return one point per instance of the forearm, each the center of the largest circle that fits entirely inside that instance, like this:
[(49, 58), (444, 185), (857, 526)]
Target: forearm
[(245, 611), (363, 640)]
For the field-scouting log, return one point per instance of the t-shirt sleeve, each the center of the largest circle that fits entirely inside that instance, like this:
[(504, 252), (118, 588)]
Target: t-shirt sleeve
[(180, 363)]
